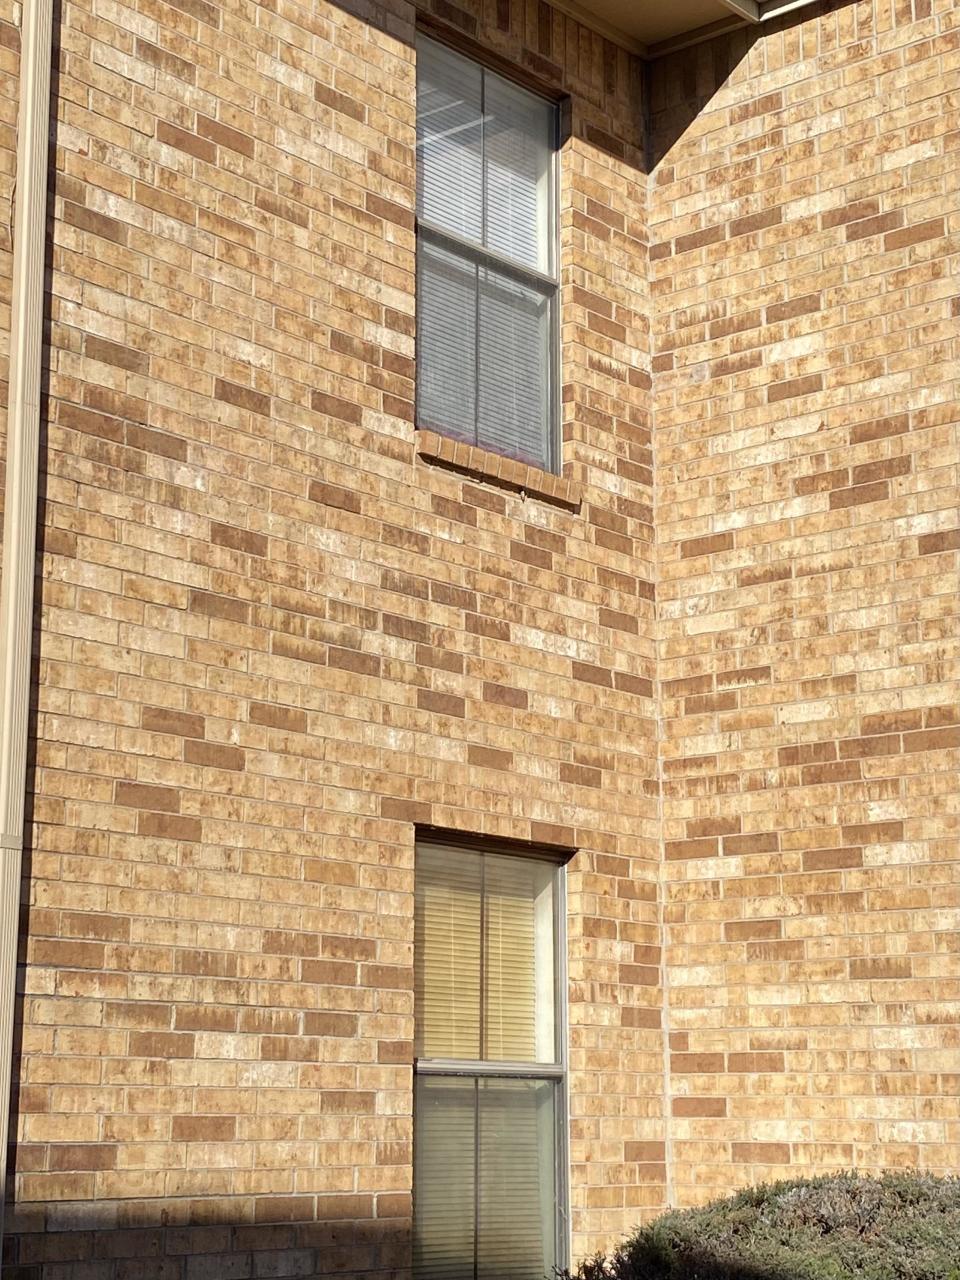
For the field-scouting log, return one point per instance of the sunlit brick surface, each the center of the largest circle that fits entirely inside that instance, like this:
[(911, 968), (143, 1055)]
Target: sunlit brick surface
[(276, 633), (805, 222)]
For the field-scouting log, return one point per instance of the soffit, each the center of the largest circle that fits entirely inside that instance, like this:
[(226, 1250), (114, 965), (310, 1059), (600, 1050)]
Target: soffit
[(651, 27)]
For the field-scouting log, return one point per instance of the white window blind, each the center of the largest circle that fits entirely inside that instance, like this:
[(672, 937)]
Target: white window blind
[(486, 287), (489, 1062)]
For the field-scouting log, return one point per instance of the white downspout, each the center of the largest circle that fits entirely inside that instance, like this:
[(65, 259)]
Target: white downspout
[(20, 514)]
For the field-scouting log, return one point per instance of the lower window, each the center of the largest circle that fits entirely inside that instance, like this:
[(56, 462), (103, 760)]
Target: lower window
[(489, 1134)]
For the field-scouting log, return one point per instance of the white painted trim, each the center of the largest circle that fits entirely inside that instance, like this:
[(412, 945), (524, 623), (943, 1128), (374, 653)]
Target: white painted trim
[(776, 8), (20, 515)]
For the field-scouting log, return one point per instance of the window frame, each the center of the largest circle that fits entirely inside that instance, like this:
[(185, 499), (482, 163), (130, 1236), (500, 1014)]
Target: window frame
[(481, 256), (555, 1072)]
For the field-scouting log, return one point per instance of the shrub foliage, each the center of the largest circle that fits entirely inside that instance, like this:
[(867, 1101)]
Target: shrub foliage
[(902, 1226)]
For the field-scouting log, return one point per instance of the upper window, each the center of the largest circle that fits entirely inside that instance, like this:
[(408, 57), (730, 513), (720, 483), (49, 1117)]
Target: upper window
[(488, 1180), (486, 258)]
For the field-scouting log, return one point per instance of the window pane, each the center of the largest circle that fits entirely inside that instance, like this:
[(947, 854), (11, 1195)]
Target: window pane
[(514, 368), (447, 953), (517, 150), (443, 1179), (485, 1186), (518, 961), (516, 1230), (447, 342), (449, 123)]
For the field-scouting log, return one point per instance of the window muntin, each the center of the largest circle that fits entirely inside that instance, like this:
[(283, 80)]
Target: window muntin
[(489, 1146), (486, 266)]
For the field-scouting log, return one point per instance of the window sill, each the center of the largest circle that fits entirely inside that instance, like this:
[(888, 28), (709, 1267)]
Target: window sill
[(494, 468)]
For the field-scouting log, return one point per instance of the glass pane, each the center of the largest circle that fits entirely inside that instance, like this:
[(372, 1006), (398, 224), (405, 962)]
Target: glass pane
[(447, 342), (518, 961), (447, 953), (518, 142), (514, 368), (444, 1201), (516, 1229), (449, 147)]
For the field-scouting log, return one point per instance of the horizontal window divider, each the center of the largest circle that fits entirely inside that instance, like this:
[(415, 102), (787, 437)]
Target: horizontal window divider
[(506, 1070), (487, 257)]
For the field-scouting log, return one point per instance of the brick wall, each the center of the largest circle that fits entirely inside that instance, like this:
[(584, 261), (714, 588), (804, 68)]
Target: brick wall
[(804, 237), (279, 630), (275, 637)]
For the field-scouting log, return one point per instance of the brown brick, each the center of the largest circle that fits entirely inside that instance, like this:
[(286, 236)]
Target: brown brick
[(489, 758), (159, 442), (113, 353), (808, 385), (704, 848), (885, 469), (755, 222), (335, 407), (933, 543), (228, 535), (860, 494), (627, 683), (505, 695), (162, 1044), (405, 810), (932, 740), (218, 606), (273, 716), (587, 673), (138, 795), (167, 826), (164, 720), (699, 1107), (214, 755), (204, 1128), (442, 704), (875, 226), (697, 1063), (698, 239), (332, 495), (706, 546), (929, 230), (98, 224), (79, 1156), (242, 397), (872, 833)]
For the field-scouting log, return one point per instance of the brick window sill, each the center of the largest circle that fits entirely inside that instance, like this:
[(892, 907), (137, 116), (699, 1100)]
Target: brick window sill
[(492, 467)]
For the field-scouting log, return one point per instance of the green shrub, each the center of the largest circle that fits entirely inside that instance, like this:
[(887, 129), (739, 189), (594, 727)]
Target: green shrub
[(902, 1226)]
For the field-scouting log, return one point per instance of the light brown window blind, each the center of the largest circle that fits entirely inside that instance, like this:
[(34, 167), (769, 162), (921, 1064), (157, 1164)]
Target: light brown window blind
[(484, 956)]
